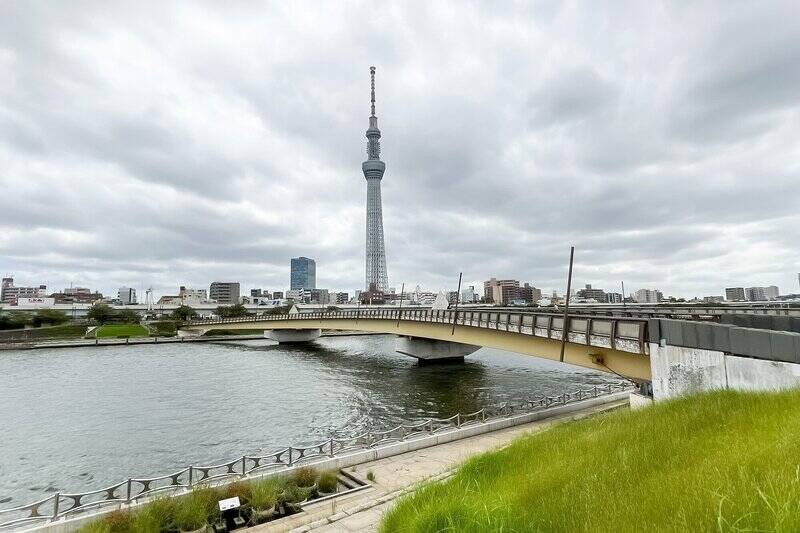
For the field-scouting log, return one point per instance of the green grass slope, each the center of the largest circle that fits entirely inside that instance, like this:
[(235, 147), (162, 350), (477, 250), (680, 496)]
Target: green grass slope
[(121, 330), (724, 461)]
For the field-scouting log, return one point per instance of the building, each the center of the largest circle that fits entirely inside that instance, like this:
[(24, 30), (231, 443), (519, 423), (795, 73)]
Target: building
[(648, 296), (260, 293), (303, 273), (9, 294), (761, 294), (613, 298), (277, 295), (339, 297), (501, 291), (713, 299), (589, 293), (735, 294), (529, 294), (224, 292), (126, 296), (301, 296), (377, 277), (76, 295), (320, 296), (468, 295), (452, 297)]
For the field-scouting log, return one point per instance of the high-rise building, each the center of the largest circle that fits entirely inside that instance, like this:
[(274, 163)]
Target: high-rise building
[(735, 294), (377, 278), (529, 293), (761, 294), (501, 291), (224, 292), (126, 296), (648, 296), (303, 273), (613, 298), (320, 296)]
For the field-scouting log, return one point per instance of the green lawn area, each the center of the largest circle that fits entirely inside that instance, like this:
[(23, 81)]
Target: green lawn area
[(724, 461), (121, 330)]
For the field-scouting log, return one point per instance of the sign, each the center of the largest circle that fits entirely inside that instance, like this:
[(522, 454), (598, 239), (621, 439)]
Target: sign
[(229, 503), (36, 302)]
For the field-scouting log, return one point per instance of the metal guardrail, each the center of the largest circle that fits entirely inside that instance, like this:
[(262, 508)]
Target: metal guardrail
[(625, 334), (133, 490)]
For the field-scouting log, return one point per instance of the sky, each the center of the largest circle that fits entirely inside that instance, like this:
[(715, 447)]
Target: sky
[(158, 144)]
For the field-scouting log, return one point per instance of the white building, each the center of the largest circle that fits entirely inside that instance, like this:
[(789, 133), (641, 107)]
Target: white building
[(648, 296), (468, 295), (9, 294), (126, 296)]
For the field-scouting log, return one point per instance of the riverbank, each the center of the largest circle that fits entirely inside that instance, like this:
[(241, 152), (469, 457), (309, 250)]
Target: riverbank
[(400, 475), (134, 341), (721, 461)]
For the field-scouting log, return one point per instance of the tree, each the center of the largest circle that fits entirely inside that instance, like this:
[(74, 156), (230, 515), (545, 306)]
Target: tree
[(184, 313), (14, 320), (100, 313), (127, 316), (51, 317), (233, 311)]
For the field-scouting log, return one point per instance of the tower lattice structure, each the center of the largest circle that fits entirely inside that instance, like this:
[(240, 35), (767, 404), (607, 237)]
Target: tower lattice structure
[(373, 167)]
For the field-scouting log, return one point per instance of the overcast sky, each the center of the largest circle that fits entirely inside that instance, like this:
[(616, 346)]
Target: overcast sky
[(177, 143)]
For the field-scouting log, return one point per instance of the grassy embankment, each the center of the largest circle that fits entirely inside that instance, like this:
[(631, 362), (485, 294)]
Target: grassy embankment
[(69, 331), (717, 462)]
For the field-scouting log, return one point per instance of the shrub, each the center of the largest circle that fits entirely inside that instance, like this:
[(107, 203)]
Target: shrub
[(264, 493), (327, 481), (294, 494), (304, 477), (197, 509), (370, 475), (156, 516), (238, 489)]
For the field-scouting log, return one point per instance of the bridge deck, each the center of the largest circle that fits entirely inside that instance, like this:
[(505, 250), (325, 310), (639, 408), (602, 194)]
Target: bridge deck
[(604, 343)]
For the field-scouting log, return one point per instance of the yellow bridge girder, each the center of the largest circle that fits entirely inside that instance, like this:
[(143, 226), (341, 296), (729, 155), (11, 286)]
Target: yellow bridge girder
[(631, 365)]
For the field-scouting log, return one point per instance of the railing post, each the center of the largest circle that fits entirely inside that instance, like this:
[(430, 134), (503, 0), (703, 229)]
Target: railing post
[(55, 505), (244, 465), (290, 456), (458, 420), (128, 491), (191, 472), (331, 443)]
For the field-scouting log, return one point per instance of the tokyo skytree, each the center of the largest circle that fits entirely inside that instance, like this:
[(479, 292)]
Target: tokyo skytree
[(373, 168)]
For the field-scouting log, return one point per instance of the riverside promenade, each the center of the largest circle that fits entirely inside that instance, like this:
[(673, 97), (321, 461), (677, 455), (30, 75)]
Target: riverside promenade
[(401, 474)]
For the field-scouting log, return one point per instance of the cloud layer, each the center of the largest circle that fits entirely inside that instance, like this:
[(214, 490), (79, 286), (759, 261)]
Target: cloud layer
[(153, 144)]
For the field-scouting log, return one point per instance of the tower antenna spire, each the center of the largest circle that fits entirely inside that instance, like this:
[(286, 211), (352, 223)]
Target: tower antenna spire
[(372, 76)]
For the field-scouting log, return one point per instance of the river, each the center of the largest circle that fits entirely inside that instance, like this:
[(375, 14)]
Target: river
[(84, 418)]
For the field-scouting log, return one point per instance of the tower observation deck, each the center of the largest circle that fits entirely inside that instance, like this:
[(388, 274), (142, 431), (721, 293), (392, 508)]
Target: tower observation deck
[(376, 275)]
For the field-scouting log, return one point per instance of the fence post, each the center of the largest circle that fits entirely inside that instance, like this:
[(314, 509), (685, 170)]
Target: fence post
[(191, 471), (332, 452), (55, 505), (244, 465), (128, 492), (458, 420), (290, 456)]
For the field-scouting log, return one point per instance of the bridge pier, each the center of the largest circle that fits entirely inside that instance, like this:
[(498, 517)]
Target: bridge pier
[(284, 336), (434, 351)]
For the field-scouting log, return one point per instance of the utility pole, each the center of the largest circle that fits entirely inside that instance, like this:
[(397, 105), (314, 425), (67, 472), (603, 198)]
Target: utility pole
[(565, 326), (458, 298), (623, 295), (400, 309)]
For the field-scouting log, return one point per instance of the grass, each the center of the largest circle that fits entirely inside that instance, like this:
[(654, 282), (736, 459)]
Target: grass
[(121, 330), (722, 461), (67, 331), (191, 511), (163, 328)]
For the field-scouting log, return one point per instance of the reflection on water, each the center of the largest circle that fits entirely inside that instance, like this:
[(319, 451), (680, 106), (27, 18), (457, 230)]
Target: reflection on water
[(87, 417)]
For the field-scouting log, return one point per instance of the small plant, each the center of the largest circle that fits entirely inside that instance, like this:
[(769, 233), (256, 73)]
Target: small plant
[(304, 477), (294, 494), (118, 521), (264, 493), (327, 482), (238, 489), (159, 515), (96, 526), (197, 509), (370, 475)]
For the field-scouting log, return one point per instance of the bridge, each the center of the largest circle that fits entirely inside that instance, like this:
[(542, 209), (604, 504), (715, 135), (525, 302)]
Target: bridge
[(608, 344), (676, 355)]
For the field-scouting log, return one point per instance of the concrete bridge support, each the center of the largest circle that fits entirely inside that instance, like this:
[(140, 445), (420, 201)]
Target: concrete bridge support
[(284, 336), (430, 351)]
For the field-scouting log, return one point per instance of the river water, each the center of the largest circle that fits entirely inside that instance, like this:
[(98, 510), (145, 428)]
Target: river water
[(84, 418)]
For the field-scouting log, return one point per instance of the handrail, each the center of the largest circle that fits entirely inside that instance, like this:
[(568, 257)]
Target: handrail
[(61, 505)]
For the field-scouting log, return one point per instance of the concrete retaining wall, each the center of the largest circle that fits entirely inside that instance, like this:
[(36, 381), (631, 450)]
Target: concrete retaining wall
[(679, 370)]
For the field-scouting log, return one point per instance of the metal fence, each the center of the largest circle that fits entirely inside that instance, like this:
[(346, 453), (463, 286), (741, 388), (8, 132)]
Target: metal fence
[(625, 334), (132, 490)]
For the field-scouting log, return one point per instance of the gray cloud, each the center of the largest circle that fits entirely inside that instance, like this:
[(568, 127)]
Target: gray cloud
[(166, 144)]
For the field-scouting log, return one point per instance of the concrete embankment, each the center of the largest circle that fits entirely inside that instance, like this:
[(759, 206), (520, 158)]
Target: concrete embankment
[(134, 341)]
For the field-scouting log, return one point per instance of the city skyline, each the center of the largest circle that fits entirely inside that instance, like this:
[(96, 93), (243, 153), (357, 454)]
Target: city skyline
[(669, 165)]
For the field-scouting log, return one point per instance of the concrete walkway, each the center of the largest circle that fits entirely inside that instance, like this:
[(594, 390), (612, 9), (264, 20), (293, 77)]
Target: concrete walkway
[(401, 474)]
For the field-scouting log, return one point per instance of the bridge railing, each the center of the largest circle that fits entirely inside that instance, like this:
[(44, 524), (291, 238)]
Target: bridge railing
[(625, 334), (62, 505)]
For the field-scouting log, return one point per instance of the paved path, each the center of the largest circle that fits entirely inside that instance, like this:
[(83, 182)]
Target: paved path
[(401, 474)]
